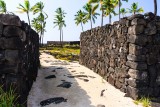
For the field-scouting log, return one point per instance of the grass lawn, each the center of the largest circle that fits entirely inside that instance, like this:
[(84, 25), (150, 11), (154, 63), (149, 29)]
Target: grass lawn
[(69, 53)]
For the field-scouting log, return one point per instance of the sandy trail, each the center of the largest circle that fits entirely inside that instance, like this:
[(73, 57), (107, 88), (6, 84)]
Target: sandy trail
[(84, 91)]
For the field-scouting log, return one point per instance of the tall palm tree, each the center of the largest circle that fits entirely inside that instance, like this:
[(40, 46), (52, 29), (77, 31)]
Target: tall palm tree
[(90, 13), (38, 8), (98, 2), (80, 18), (60, 22), (120, 3), (134, 9), (3, 8), (25, 9), (109, 6), (155, 7), (123, 11)]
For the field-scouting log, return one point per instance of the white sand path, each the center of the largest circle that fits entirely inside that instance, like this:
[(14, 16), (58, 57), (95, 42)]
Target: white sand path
[(81, 93)]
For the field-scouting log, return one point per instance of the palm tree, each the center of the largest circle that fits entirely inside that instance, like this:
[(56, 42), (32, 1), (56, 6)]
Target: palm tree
[(3, 8), (109, 6), (120, 3), (25, 9), (60, 22), (123, 11), (134, 9), (80, 18), (38, 8), (90, 13), (98, 2), (155, 7)]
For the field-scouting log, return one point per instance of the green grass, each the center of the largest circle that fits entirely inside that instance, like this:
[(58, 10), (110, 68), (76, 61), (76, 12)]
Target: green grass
[(7, 99), (145, 101), (69, 53)]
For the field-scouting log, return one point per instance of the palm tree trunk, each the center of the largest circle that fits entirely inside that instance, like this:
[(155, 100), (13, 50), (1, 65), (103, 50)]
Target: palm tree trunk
[(91, 23), (28, 19), (82, 26), (102, 17), (155, 7), (62, 37), (110, 19), (119, 9)]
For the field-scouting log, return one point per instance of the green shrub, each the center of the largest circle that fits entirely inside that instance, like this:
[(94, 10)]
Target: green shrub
[(7, 99), (145, 101)]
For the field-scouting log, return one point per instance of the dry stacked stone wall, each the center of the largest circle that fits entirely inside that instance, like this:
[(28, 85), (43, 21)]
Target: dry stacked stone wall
[(126, 54), (19, 55)]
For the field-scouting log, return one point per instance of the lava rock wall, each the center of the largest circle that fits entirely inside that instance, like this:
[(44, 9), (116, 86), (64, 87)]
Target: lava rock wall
[(126, 54), (19, 55)]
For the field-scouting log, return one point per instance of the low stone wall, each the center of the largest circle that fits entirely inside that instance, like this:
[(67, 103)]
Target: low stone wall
[(57, 43), (19, 55), (126, 54)]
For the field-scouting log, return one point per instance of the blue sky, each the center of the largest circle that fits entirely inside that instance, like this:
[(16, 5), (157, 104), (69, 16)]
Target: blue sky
[(72, 31)]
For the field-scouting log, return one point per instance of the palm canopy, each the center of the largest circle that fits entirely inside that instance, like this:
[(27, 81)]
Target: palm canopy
[(59, 21), (25, 9), (3, 8), (134, 8), (80, 17), (90, 12), (123, 11), (38, 7)]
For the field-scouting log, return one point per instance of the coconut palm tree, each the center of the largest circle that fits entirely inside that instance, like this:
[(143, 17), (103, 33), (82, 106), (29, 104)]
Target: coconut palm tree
[(98, 2), (155, 7), (60, 22), (3, 8), (90, 13), (123, 11), (80, 18), (120, 3), (109, 6), (134, 9), (25, 9), (38, 8)]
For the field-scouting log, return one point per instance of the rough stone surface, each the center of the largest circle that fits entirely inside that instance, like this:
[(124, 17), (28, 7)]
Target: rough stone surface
[(126, 53), (19, 55)]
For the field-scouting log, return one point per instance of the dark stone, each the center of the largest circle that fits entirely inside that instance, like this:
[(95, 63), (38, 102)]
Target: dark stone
[(65, 84), (152, 75), (138, 21), (139, 58), (55, 100), (78, 76), (136, 29), (111, 80), (138, 74), (137, 83), (13, 31), (100, 105), (138, 39), (135, 16), (137, 65), (149, 15), (8, 19), (2, 43), (1, 29), (50, 76), (12, 56), (132, 92), (151, 59), (13, 43), (118, 84)]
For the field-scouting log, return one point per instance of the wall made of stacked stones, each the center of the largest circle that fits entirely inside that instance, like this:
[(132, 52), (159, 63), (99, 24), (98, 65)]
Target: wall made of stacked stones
[(19, 55), (126, 54)]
